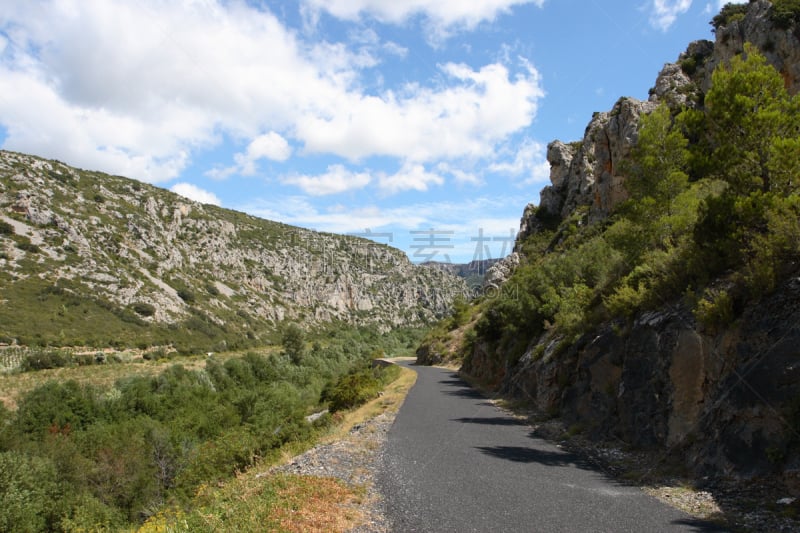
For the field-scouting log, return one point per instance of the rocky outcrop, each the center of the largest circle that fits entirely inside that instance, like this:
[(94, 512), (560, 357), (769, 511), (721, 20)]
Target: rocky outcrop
[(589, 173), (128, 243), (668, 383), (779, 44), (730, 400)]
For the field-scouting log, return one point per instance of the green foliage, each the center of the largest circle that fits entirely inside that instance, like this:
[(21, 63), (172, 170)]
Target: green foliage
[(186, 295), (712, 192), (728, 14), (357, 388), (77, 457), (715, 309), (144, 309), (785, 14), (294, 344), (29, 493), (28, 246), (749, 117), (6, 228)]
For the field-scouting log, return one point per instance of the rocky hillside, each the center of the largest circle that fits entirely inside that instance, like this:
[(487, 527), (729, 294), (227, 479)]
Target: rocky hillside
[(721, 391), (88, 258)]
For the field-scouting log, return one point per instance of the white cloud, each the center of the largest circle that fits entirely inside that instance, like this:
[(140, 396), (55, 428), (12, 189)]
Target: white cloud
[(267, 146), (136, 88), (443, 16), (529, 162), (193, 192), (467, 118), (410, 177), (664, 13), (336, 180)]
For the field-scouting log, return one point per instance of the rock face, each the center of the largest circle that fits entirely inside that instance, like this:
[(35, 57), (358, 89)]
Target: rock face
[(781, 46), (666, 382), (128, 243), (588, 174)]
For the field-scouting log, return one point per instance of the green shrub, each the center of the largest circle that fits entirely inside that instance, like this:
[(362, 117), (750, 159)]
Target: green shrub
[(352, 390), (728, 14), (144, 309), (6, 228), (785, 13), (28, 246), (186, 295), (715, 309), (43, 359), (29, 493)]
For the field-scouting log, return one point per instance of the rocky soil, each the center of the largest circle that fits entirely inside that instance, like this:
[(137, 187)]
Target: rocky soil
[(760, 504), (354, 460)]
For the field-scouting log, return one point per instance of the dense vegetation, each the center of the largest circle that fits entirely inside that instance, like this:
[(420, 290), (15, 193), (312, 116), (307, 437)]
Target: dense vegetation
[(712, 221), (81, 457)]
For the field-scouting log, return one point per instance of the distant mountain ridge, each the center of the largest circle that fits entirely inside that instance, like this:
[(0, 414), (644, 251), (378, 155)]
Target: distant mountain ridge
[(147, 265)]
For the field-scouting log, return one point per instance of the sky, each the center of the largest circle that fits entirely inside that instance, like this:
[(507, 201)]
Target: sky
[(422, 124)]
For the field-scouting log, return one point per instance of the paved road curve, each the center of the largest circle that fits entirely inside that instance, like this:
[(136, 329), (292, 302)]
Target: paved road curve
[(454, 462)]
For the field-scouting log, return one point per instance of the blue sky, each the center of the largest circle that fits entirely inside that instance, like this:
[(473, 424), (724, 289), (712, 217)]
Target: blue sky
[(421, 123)]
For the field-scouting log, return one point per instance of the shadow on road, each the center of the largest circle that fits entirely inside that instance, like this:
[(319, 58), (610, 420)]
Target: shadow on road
[(700, 526), (521, 454), (458, 387), (491, 421)]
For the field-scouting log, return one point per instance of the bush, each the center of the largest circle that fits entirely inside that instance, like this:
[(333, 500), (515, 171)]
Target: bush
[(6, 228), (785, 13), (728, 14), (186, 295), (144, 309), (45, 359), (29, 493), (352, 390), (28, 246)]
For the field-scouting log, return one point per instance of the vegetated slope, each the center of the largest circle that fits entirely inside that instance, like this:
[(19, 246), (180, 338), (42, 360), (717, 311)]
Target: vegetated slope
[(656, 298), (88, 258)]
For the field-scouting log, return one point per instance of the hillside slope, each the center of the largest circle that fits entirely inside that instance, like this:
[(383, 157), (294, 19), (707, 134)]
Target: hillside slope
[(652, 299), (92, 259)]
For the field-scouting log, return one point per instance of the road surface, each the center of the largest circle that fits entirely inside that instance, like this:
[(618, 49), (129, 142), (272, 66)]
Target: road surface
[(454, 462)]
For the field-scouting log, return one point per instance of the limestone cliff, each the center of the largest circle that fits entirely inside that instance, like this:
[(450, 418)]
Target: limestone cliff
[(726, 399), (153, 257)]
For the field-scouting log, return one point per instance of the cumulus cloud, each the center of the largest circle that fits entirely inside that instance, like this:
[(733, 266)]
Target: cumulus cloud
[(137, 88), (410, 177), (336, 180), (529, 162), (664, 13), (267, 146), (478, 109), (192, 192)]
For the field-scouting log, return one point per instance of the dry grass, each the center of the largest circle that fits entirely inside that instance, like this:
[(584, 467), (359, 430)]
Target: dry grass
[(314, 504), (14, 386), (254, 501)]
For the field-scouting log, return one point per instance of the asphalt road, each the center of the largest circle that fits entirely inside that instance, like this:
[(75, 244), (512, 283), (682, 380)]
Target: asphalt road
[(454, 462)]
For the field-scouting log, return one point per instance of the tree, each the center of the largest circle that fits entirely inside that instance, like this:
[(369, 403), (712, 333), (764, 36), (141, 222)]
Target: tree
[(749, 113), (294, 343), (660, 160)]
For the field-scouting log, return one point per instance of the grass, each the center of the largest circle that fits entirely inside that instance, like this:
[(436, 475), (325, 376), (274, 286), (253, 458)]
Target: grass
[(258, 501), (15, 385)]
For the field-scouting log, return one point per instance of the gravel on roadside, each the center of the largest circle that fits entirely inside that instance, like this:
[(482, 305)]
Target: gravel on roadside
[(355, 460)]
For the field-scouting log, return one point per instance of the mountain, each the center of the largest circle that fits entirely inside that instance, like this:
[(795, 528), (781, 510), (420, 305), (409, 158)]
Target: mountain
[(92, 259), (474, 272), (652, 296)]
